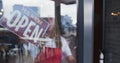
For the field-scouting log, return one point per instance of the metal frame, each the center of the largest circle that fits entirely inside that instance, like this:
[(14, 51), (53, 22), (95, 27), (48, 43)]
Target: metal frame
[(85, 31), (103, 34), (80, 31)]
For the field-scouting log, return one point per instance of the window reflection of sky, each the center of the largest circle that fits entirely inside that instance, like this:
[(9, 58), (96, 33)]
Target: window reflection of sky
[(70, 10), (46, 8)]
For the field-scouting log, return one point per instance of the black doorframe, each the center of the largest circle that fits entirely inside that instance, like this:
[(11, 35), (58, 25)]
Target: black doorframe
[(80, 31), (98, 30)]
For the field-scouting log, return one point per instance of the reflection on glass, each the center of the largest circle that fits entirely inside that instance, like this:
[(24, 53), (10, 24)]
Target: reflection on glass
[(14, 49), (31, 37), (68, 22)]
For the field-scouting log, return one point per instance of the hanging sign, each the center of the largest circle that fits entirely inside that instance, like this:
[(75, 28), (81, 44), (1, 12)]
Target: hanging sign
[(25, 23)]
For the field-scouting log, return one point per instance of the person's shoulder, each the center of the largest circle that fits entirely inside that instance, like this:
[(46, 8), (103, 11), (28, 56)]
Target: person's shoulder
[(63, 40), (62, 37)]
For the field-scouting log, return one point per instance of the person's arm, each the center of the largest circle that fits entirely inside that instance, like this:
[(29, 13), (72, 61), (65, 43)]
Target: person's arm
[(67, 52), (71, 59)]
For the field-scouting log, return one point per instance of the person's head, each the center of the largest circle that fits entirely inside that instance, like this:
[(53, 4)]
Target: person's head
[(51, 31)]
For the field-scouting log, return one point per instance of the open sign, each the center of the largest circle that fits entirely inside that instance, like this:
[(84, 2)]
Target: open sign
[(25, 23)]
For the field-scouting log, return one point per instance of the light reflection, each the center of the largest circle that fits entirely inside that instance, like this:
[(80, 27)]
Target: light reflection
[(1, 13), (115, 13), (2, 10)]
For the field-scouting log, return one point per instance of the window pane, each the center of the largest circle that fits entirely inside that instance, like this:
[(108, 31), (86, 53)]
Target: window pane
[(68, 21), (25, 22), (112, 31)]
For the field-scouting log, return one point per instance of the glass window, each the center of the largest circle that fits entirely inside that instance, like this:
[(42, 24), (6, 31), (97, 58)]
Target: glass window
[(68, 22), (111, 31), (25, 25), (30, 31)]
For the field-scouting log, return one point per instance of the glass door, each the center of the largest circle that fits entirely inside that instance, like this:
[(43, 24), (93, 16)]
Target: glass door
[(111, 31)]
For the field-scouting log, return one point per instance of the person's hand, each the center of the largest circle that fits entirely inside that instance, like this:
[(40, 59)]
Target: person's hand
[(71, 59)]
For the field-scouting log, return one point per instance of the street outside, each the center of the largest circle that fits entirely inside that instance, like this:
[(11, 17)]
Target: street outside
[(16, 59)]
